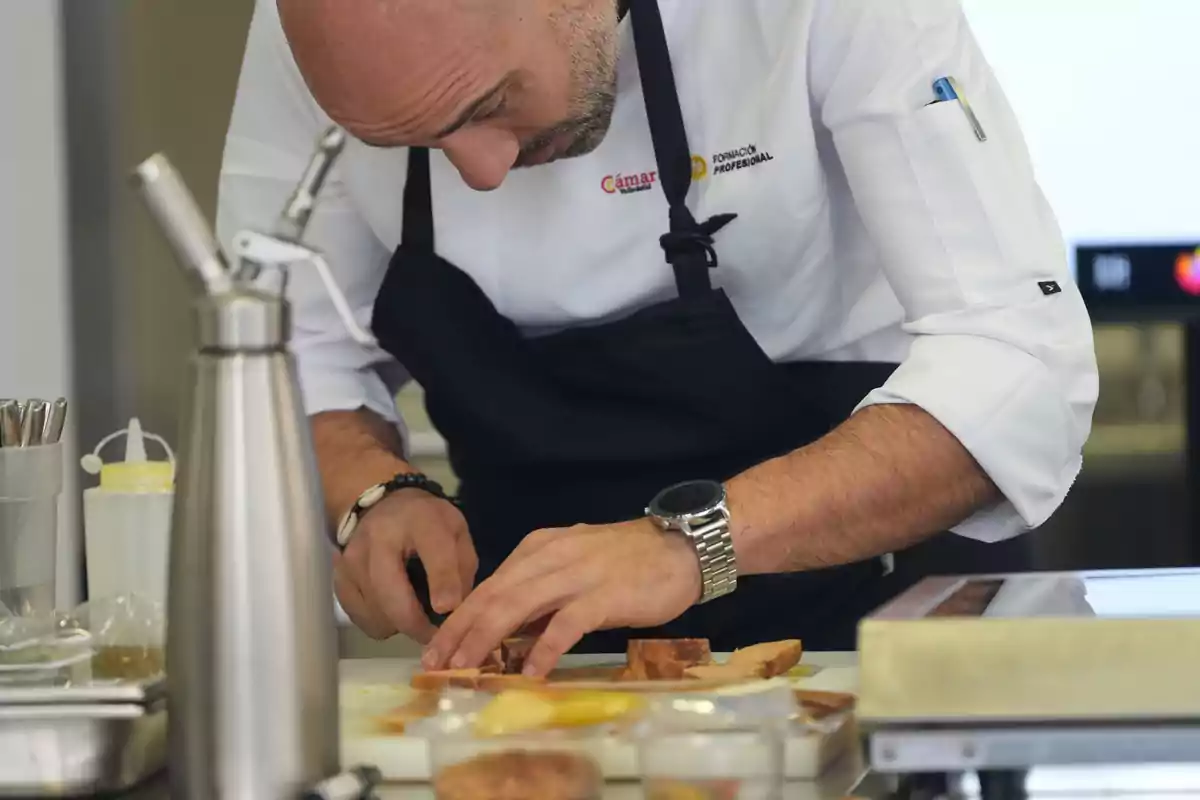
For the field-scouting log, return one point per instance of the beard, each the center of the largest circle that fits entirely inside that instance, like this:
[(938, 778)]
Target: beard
[(591, 41), (572, 138)]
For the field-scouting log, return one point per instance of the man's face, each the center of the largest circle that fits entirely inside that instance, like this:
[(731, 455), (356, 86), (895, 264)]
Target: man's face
[(496, 84)]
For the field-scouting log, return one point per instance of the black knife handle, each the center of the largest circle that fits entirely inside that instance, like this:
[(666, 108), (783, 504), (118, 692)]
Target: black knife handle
[(420, 585)]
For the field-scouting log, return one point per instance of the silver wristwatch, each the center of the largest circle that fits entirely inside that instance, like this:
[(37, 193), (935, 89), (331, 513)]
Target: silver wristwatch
[(697, 510)]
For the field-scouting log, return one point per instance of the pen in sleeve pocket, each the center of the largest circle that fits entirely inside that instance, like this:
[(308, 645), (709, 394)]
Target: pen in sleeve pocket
[(947, 91)]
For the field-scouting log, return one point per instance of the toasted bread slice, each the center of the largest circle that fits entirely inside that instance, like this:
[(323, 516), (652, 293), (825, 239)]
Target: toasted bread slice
[(734, 673), (820, 704), (422, 706), (665, 659), (494, 684), (443, 679), (772, 658)]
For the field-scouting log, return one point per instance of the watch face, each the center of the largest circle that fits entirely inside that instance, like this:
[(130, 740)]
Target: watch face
[(688, 498)]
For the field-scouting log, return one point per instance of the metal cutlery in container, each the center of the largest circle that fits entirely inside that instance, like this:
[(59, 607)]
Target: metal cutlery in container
[(32, 423)]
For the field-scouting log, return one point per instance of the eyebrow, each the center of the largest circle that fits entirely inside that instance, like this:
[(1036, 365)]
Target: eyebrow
[(472, 113)]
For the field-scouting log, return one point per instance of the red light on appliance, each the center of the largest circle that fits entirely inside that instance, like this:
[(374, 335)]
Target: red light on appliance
[(1187, 272)]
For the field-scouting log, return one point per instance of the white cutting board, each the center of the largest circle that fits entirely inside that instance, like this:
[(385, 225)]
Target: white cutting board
[(371, 687)]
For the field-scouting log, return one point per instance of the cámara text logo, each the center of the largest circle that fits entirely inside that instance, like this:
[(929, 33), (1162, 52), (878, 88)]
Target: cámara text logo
[(629, 184)]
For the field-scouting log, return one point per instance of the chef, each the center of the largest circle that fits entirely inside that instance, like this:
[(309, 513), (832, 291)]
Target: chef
[(719, 306)]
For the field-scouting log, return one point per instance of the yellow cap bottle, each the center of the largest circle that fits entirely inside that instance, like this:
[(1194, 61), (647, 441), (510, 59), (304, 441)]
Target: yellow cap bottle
[(127, 518)]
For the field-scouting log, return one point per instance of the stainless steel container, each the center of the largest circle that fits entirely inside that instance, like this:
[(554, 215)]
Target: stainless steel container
[(251, 647), (1035, 648), (1017, 671), (31, 479), (72, 741)]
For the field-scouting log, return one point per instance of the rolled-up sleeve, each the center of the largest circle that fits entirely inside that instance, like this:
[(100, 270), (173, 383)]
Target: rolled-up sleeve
[(272, 135), (1003, 355)]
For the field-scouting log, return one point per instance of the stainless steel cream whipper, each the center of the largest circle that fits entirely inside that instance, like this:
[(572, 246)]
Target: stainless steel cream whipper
[(251, 647)]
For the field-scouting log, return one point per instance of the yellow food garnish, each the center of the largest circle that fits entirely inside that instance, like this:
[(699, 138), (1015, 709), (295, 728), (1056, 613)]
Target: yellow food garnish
[(803, 671), (521, 710)]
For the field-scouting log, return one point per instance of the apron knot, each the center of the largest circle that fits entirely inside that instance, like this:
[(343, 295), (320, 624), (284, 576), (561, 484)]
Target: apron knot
[(691, 241)]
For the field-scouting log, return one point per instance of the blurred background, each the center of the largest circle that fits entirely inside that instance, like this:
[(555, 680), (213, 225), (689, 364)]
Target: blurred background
[(92, 308)]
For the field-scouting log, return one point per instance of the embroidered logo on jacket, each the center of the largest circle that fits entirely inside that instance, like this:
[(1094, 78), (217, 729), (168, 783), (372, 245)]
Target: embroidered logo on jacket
[(702, 168), (629, 184), (739, 158)]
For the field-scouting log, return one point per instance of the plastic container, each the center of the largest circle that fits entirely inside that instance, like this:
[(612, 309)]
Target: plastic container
[(523, 744), (724, 745), (127, 519), (31, 479)]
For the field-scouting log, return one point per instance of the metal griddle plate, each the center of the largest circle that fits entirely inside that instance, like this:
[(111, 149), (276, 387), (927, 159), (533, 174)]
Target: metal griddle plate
[(142, 693), (1042, 648)]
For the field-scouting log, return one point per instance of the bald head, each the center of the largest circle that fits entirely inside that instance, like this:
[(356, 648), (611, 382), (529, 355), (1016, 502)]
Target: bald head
[(495, 83)]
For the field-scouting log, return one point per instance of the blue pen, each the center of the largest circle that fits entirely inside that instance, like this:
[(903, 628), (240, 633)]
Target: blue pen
[(947, 91)]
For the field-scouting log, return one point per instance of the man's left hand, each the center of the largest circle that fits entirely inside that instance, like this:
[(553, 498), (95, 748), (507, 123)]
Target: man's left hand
[(585, 578)]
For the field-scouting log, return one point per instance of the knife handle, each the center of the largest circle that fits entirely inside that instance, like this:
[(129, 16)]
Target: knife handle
[(420, 584)]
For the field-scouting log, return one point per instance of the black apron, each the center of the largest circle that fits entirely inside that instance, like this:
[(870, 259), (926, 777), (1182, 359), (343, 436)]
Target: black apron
[(587, 425)]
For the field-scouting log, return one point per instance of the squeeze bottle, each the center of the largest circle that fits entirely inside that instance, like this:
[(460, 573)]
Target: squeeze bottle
[(127, 518)]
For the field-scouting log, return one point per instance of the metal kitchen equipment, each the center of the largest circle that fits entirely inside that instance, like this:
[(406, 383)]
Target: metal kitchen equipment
[(31, 479), (251, 649), (69, 741), (1011, 672)]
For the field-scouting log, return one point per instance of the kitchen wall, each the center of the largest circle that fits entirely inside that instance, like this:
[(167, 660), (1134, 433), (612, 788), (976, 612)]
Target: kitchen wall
[(143, 76), (140, 76), (35, 330)]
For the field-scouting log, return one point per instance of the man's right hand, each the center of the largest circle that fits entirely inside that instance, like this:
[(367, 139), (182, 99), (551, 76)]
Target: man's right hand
[(370, 577)]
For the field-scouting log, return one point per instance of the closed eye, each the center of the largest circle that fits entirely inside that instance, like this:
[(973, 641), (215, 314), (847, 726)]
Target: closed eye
[(487, 106)]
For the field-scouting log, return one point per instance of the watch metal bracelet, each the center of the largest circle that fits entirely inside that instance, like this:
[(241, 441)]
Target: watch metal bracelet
[(718, 563)]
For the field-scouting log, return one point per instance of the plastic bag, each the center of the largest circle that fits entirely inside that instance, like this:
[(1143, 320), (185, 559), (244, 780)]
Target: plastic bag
[(128, 636), (117, 638), (41, 649)]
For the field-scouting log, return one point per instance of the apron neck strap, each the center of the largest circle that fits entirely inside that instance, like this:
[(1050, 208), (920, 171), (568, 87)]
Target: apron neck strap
[(689, 244), (417, 220)]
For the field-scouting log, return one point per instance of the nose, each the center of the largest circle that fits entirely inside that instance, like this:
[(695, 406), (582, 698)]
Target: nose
[(482, 155)]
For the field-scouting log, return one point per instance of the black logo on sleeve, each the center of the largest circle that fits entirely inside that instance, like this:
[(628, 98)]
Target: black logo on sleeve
[(1049, 287)]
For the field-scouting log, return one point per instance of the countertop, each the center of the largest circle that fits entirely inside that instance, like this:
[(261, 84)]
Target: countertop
[(847, 778), (836, 784)]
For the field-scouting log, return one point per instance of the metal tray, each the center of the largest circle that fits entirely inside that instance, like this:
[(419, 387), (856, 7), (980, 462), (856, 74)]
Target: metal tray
[(70, 741), (124, 692)]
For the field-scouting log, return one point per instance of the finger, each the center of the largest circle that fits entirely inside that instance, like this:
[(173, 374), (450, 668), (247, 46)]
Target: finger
[(353, 564), (468, 562), (438, 550), (508, 587), (395, 597), (535, 628), (370, 621), (505, 613), (577, 619)]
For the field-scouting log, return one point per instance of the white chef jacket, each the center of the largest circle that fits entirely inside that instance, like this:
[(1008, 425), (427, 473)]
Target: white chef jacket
[(872, 225)]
